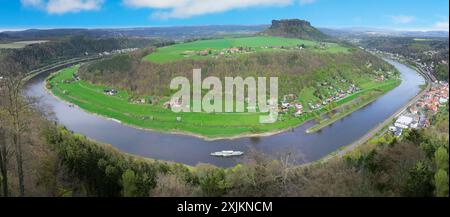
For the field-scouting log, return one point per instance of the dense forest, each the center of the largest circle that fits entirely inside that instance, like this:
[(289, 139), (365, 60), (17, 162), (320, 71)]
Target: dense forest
[(38, 55), (431, 51), (294, 69)]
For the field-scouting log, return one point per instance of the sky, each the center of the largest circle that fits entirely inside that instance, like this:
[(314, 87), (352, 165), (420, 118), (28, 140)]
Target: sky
[(386, 14)]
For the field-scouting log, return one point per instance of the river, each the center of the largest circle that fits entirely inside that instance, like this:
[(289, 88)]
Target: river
[(192, 150)]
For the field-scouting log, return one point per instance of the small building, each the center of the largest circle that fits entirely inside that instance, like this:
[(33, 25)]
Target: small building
[(298, 106), (413, 110), (398, 133), (110, 92), (204, 52), (392, 128), (414, 125), (285, 105), (403, 122), (433, 108)]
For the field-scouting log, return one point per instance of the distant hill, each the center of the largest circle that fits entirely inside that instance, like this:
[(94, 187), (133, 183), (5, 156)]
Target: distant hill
[(169, 33), (295, 28), (375, 32)]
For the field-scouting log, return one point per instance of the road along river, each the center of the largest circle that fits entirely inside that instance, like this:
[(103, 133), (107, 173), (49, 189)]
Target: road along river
[(192, 150)]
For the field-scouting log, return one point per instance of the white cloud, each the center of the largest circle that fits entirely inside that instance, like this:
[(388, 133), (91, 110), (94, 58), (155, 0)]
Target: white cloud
[(401, 19), (63, 6), (305, 2), (188, 8), (442, 25)]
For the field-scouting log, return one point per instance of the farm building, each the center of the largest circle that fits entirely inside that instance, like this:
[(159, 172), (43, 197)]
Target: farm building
[(110, 92)]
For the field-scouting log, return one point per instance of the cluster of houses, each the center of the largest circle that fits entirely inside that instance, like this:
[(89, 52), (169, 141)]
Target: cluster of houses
[(289, 101), (235, 50), (297, 47), (426, 67), (408, 120), (336, 96), (435, 97), (139, 101), (417, 115), (173, 103), (285, 106), (120, 51), (239, 50), (113, 92)]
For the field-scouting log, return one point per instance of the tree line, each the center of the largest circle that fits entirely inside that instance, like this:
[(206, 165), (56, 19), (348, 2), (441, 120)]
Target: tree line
[(414, 166), (38, 55)]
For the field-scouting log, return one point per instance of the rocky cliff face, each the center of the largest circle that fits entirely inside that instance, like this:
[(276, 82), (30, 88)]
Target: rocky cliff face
[(295, 28)]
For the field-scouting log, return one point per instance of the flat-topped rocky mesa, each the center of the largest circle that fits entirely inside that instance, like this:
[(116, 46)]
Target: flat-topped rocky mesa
[(295, 28)]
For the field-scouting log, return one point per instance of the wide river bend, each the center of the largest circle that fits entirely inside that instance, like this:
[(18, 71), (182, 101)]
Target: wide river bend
[(192, 150)]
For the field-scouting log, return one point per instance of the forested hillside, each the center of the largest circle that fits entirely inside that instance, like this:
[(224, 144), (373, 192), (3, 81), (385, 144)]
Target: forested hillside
[(295, 28), (433, 52), (296, 70), (37, 55)]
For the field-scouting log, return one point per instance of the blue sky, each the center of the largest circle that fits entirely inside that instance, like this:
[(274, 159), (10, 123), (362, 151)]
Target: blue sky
[(392, 14)]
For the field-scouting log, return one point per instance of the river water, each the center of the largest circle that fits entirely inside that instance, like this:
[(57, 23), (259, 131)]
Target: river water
[(191, 150)]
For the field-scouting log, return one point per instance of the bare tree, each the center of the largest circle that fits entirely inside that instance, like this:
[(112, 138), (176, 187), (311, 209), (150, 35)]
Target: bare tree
[(16, 109), (287, 161), (4, 158), (4, 147)]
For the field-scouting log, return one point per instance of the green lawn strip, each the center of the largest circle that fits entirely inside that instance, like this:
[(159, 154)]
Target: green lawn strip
[(257, 43), (367, 96)]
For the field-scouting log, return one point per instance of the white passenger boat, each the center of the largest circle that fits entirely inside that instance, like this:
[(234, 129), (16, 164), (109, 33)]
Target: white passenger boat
[(227, 153)]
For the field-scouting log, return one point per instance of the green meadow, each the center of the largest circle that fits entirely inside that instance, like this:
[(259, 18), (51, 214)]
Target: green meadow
[(19, 44), (256, 43), (423, 39), (92, 98)]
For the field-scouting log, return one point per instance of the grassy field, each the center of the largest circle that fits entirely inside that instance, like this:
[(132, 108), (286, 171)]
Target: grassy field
[(18, 44), (257, 43), (423, 39), (216, 125)]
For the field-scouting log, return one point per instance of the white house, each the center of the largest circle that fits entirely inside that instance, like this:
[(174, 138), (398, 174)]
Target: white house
[(392, 128), (403, 122)]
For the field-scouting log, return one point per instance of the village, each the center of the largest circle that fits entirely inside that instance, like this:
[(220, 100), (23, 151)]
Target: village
[(333, 94), (427, 68), (418, 115), (290, 103), (232, 51), (119, 51)]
